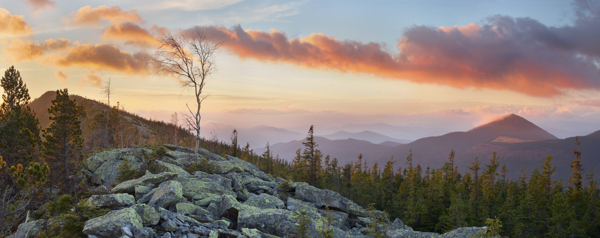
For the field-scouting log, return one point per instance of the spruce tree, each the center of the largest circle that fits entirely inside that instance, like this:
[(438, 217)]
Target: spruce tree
[(63, 143), (234, 144), (19, 128), (312, 156)]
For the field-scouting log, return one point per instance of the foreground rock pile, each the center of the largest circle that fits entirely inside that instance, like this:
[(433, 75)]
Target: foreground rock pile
[(236, 200)]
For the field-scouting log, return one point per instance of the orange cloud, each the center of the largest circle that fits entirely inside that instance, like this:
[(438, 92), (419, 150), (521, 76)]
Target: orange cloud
[(501, 55), (92, 80), (62, 77), (93, 16), (20, 50), (102, 57), (40, 4), (13, 25), (131, 34)]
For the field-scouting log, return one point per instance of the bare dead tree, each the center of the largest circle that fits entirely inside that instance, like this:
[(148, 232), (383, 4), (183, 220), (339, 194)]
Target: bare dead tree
[(192, 61), (107, 90)]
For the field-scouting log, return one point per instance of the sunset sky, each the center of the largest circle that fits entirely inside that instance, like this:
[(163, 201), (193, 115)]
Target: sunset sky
[(289, 64)]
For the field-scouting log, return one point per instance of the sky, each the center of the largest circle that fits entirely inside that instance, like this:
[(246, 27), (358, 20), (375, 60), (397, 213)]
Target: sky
[(444, 64)]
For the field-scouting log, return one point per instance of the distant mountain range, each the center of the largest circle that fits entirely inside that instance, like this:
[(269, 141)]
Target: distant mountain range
[(518, 142), (370, 136)]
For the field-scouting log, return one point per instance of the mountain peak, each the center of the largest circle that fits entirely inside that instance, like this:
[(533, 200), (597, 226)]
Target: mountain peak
[(513, 126)]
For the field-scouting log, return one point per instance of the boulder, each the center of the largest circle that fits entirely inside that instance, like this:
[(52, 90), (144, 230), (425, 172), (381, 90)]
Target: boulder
[(221, 180), (324, 197), (107, 172), (278, 222), (265, 201), (28, 229), (400, 233), (339, 218), (109, 225), (223, 167), (212, 198), (198, 189), (167, 167), (111, 200), (146, 197), (295, 204), (148, 179), (148, 214), (140, 191), (185, 208), (398, 224), (464, 232), (166, 194)]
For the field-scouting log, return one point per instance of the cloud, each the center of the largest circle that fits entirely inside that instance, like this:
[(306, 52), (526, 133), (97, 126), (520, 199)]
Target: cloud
[(503, 53), (13, 25), (589, 103), (189, 5), (62, 77), (92, 80), (102, 57), (40, 4), (93, 16), (20, 50), (132, 34)]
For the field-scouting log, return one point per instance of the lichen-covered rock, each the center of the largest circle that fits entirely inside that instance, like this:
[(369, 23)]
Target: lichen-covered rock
[(111, 200), (398, 224), (107, 172), (211, 198), (148, 214), (401, 233), (295, 204), (148, 179), (464, 232), (324, 197), (254, 184), (339, 218), (28, 229), (198, 189), (185, 208), (166, 194), (167, 167), (223, 167), (278, 222), (265, 201), (140, 191), (146, 197), (109, 225), (221, 180)]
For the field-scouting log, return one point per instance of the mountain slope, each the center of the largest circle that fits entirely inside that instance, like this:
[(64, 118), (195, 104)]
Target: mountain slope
[(344, 150), (370, 136)]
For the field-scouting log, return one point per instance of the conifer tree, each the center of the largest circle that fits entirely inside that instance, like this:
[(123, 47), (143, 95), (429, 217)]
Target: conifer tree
[(63, 138), (19, 128), (312, 156), (576, 178), (234, 144)]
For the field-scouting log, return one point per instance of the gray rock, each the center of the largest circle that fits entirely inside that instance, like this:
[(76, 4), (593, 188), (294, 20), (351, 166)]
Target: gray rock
[(398, 224), (400, 233), (208, 200), (166, 194), (198, 189), (167, 167), (126, 231), (265, 201), (28, 229), (148, 214), (111, 200), (107, 172), (324, 197), (464, 232), (278, 222), (147, 180), (339, 218), (169, 225), (141, 190), (109, 225), (147, 196)]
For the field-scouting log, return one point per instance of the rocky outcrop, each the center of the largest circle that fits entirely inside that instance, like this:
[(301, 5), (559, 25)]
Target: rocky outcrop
[(28, 229), (111, 200), (234, 199), (110, 225)]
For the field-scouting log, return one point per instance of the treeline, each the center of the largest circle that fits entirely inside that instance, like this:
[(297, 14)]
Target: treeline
[(442, 199)]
